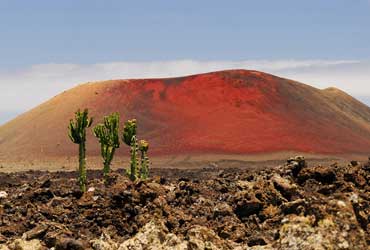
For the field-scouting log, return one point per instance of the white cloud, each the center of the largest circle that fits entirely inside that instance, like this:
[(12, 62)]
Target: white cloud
[(24, 88)]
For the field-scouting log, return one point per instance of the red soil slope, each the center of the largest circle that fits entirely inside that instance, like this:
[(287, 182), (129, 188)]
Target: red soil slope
[(234, 111)]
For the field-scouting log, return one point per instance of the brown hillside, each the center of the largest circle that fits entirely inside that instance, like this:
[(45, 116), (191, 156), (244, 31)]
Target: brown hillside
[(232, 112)]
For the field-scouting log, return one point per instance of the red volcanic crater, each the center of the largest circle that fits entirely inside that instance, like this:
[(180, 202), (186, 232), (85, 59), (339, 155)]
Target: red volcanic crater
[(233, 112)]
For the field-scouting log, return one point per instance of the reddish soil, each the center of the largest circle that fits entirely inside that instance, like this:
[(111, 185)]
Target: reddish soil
[(227, 112)]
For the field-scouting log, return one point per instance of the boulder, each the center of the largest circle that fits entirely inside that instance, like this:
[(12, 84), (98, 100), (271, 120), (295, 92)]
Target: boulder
[(68, 244), (21, 244), (36, 232), (293, 207), (323, 174), (154, 235), (295, 165), (200, 237), (332, 230), (285, 187), (246, 205), (222, 209), (3, 194)]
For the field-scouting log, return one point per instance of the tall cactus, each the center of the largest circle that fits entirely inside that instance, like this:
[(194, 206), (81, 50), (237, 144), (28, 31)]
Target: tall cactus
[(77, 134), (129, 137), (144, 170), (108, 135)]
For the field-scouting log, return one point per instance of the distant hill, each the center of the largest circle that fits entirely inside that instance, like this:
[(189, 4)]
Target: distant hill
[(231, 112)]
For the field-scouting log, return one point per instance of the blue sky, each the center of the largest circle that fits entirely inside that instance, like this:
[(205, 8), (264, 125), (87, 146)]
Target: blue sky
[(76, 31), (49, 46)]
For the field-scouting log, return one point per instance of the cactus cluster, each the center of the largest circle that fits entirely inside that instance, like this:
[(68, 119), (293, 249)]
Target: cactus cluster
[(129, 136), (77, 134), (108, 136)]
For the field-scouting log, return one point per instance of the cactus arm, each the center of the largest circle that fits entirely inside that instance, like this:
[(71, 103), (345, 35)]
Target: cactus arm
[(108, 135), (143, 174), (108, 160), (108, 156), (144, 170), (145, 166), (133, 173)]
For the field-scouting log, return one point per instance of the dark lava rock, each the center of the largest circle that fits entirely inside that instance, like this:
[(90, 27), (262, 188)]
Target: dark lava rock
[(323, 174), (68, 244), (256, 241), (36, 232), (42, 195), (293, 207), (222, 209), (296, 164), (285, 187), (3, 239), (247, 207), (355, 178)]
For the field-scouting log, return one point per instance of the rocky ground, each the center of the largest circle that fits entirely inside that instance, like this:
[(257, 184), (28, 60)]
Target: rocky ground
[(288, 207)]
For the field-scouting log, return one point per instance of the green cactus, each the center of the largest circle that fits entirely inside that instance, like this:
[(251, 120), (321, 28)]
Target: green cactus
[(77, 134), (129, 130), (129, 137), (108, 135), (144, 170)]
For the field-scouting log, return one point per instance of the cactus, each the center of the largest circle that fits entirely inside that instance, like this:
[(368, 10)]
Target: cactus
[(77, 134), (108, 135), (144, 170), (129, 137)]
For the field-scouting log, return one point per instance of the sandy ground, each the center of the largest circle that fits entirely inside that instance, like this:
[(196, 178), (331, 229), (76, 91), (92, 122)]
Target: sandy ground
[(175, 161)]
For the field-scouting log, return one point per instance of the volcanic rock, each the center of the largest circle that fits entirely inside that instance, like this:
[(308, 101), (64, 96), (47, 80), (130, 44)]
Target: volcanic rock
[(232, 209), (321, 174)]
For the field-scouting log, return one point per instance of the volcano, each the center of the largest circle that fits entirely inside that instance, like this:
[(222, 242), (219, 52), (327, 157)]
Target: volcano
[(225, 112)]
